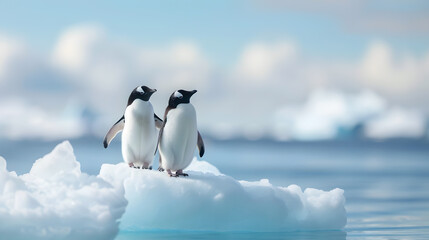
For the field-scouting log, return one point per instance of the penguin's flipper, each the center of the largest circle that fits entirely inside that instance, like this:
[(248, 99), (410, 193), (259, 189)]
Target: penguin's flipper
[(200, 145), (159, 137), (115, 129), (158, 121)]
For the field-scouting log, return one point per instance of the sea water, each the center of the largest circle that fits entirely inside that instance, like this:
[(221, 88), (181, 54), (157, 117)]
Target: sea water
[(386, 183)]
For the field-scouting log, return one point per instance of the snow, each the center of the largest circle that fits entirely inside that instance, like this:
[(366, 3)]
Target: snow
[(55, 200)]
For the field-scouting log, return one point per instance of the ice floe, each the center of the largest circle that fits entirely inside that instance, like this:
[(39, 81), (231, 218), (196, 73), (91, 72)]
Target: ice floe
[(55, 200)]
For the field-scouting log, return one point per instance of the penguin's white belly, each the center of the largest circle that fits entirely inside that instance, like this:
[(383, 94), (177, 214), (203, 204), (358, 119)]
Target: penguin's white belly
[(139, 137), (179, 138)]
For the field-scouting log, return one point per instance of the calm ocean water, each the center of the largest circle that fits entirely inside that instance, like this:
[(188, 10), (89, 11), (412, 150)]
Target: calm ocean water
[(386, 183)]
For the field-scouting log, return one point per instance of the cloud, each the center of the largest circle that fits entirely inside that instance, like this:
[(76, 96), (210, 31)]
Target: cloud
[(181, 65), (278, 87), (10, 51), (365, 16), (75, 46), (24, 120), (259, 62), (399, 78), (93, 69), (381, 71), (89, 67), (96, 67), (100, 65), (16, 60)]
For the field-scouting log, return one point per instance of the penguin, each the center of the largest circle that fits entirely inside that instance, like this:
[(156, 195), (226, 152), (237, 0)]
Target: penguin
[(179, 135), (139, 123)]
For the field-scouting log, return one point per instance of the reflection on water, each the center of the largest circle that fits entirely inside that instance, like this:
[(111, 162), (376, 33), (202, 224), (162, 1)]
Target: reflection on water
[(421, 232), (328, 235)]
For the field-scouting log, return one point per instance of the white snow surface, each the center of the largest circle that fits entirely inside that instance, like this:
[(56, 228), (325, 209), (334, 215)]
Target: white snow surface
[(55, 200)]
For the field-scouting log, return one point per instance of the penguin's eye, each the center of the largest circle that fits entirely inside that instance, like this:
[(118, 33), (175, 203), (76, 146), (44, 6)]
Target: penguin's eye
[(178, 95), (140, 90)]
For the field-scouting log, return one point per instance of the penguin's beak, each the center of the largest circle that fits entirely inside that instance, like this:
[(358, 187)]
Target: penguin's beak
[(153, 90), (190, 93)]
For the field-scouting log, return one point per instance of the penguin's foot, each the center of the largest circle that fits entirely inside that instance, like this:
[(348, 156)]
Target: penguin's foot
[(181, 173), (171, 174), (132, 165), (161, 169), (146, 166), (150, 168)]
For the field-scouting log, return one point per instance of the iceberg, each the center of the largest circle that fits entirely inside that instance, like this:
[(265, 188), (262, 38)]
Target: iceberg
[(55, 200)]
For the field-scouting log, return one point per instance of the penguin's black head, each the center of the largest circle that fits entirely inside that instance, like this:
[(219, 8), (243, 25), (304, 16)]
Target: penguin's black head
[(180, 96), (141, 92)]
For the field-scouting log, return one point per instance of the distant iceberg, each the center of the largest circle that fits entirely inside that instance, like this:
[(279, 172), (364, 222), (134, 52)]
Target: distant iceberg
[(56, 200)]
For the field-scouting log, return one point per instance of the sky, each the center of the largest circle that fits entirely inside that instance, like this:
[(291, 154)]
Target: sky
[(284, 69)]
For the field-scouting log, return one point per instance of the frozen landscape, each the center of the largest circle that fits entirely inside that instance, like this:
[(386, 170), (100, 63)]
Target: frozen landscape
[(56, 200), (314, 118), (385, 186)]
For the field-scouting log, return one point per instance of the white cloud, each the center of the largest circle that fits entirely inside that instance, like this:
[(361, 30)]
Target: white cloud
[(23, 120), (287, 77), (181, 65), (282, 74), (95, 66), (381, 71), (100, 71), (75, 46), (16, 61), (259, 62), (105, 69), (10, 50), (397, 123)]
